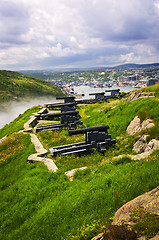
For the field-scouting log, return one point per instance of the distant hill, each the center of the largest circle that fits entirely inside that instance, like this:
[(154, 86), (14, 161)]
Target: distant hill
[(52, 73), (15, 85), (136, 66)]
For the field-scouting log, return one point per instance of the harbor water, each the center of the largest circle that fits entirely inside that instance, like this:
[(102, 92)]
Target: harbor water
[(10, 110)]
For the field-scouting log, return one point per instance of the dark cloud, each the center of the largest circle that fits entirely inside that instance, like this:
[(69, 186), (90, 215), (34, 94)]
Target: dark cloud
[(45, 33)]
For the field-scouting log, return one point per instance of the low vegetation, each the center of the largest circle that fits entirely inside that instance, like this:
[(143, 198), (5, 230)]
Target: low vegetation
[(38, 204)]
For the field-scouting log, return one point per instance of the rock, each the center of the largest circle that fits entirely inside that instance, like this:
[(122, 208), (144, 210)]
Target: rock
[(148, 201), (134, 127), (70, 173), (99, 237), (147, 124), (48, 162), (41, 152), (140, 145), (141, 155), (38, 146), (2, 139), (152, 145), (155, 238), (144, 149)]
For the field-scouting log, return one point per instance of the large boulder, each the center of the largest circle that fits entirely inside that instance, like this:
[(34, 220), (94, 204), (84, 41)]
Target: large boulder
[(148, 201)]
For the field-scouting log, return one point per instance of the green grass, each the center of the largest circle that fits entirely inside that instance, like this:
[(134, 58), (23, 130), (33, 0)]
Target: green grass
[(38, 204), (15, 85), (119, 117)]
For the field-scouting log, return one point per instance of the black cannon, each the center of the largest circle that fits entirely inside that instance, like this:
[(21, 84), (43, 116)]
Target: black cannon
[(71, 125), (98, 96), (67, 99), (59, 105), (95, 137), (68, 119), (67, 109), (114, 92), (49, 116)]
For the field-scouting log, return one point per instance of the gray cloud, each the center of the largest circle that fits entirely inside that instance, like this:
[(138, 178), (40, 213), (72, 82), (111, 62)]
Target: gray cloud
[(14, 22), (43, 33)]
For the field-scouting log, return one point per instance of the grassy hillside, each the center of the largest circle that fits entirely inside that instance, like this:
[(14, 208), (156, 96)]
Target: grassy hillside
[(38, 204), (15, 85)]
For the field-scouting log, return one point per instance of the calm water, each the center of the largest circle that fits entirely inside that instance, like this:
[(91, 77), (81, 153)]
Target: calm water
[(11, 110), (86, 90)]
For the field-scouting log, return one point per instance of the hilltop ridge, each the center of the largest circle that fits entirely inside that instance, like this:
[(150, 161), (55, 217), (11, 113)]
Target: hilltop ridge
[(14, 85)]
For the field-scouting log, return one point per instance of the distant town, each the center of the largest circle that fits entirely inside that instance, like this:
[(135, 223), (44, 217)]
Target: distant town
[(137, 78)]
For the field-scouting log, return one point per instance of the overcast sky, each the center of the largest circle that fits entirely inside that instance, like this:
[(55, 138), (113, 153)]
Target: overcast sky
[(41, 34)]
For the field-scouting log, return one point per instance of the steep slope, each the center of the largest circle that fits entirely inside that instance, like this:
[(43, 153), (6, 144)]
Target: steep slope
[(38, 204), (15, 85)]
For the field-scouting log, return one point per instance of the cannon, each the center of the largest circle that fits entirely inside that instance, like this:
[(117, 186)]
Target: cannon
[(67, 99), (102, 128), (114, 92), (59, 105), (67, 109), (98, 96), (49, 116), (71, 124), (95, 137), (68, 119)]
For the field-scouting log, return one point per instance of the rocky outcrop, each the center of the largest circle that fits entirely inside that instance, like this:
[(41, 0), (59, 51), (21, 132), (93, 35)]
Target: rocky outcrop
[(144, 149), (140, 145), (148, 201), (152, 145), (148, 123), (136, 125)]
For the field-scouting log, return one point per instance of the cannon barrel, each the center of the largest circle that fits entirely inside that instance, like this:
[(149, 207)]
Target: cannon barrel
[(102, 128), (55, 105), (69, 97), (113, 90), (102, 93), (72, 113)]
